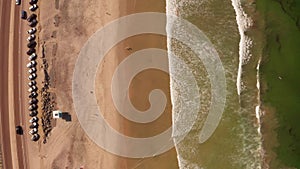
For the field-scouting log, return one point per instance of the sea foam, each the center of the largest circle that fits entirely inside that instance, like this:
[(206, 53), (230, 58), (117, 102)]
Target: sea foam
[(244, 22)]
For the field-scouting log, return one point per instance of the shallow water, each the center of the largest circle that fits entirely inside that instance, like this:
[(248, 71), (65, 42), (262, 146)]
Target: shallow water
[(236, 142), (280, 75)]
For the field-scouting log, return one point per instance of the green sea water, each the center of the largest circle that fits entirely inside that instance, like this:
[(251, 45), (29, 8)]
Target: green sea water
[(236, 143), (281, 75)]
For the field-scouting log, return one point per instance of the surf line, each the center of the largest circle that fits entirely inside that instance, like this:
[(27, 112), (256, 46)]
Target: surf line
[(244, 22)]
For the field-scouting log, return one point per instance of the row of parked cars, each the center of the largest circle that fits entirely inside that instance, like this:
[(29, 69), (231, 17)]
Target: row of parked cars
[(32, 56)]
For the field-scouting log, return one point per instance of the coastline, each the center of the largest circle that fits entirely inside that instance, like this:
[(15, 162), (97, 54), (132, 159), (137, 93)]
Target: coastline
[(73, 147), (279, 65)]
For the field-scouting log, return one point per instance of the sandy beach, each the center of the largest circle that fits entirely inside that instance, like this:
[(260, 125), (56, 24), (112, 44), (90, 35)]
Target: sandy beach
[(65, 26), (258, 129)]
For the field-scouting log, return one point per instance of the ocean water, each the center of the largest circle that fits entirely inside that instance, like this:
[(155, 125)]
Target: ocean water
[(237, 141)]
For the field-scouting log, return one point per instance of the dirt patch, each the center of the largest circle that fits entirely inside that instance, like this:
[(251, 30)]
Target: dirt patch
[(56, 4), (48, 99), (56, 20)]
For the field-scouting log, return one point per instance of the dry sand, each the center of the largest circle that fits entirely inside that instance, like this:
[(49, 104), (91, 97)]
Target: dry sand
[(65, 25)]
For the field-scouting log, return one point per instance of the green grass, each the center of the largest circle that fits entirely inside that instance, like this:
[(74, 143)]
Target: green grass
[(282, 60)]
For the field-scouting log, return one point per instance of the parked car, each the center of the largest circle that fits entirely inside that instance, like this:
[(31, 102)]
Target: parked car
[(31, 64), (34, 125), (31, 31), (18, 2), (32, 83), (31, 37), (33, 113), (33, 119), (33, 7), (32, 76), (31, 2), (33, 101), (33, 23), (23, 14), (32, 89), (33, 131), (35, 137), (31, 51), (30, 71), (31, 17), (33, 95), (32, 57), (31, 44), (32, 107), (19, 130)]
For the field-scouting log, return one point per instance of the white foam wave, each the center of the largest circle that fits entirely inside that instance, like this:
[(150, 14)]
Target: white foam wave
[(259, 113), (185, 164), (243, 22)]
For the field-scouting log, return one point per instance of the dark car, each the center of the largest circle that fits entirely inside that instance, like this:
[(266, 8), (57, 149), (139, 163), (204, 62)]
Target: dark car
[(33, 113), (31, 44), (23, 14), (33, 95), (31, 2), (32, 107), (31, 17), (35, 137), (33, 23), (31, 51), (19, 130), (32, 101)]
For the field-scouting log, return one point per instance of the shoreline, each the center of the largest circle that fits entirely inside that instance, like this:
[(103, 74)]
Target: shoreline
[(246, 47)]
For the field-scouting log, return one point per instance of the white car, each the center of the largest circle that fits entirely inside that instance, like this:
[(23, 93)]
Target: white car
[(32, 57), (32, 76), (32, 89), (31, 31), (33, 7), (32, 83), (31, 37), (34, 124), (31, 64), (30, 71), (18, 2), (33, 131), (33, 119)]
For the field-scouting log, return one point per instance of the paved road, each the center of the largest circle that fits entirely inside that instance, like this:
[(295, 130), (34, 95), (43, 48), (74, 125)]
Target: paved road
[(4, 37), (18, 61), (19, 58)]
